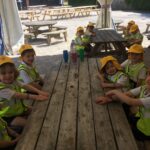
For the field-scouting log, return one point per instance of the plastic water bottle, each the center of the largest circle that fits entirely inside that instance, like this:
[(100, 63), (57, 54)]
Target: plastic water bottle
[(73, 52)]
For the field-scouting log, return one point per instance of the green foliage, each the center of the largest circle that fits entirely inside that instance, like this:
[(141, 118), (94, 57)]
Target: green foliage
[(139, 4), (82, 2)]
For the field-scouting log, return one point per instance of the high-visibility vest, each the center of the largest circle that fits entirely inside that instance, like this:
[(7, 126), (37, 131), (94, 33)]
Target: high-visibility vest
[(116, 78), (3, 131), (11, 107), (133, 70), (32, 72), (78, 43), (143, 123)]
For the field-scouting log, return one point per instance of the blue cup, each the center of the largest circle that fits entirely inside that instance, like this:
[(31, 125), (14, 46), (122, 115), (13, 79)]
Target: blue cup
[(65, 56)]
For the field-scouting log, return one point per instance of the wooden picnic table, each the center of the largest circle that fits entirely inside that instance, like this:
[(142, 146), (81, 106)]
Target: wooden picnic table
[(33, 7), (35, 25), (108, 41), (70, 119)]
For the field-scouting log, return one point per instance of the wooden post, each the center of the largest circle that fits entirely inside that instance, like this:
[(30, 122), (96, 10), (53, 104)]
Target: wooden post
[(27, 3)]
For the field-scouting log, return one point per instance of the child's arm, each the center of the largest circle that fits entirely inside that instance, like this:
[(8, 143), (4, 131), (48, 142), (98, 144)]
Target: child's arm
[(30, 88), (26, 96), (12, 132), (124, 98), (36, 85), (6, 144), (111, 85)]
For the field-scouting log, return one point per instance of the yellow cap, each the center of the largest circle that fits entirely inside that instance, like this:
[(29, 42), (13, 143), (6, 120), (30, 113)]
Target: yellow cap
[(131, 22), (90, 24), (24, 48), (136, 48), (105, 60), (134, 28), (80, 29), (5, 59)]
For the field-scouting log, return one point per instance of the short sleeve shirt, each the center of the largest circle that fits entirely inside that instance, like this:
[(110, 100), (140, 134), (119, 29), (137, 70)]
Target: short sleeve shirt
[(26, 78), (7, 93), (123, 80), (146, 97), (142, 72)]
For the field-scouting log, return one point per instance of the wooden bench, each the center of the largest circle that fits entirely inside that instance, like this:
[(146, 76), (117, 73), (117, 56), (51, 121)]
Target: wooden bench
[(55, 34), (27, 37), (59, 27), (147, 28)]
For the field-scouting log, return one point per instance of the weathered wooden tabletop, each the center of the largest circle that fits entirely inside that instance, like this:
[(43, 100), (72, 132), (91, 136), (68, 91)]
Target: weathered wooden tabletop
[(108, 41), (70, 119)]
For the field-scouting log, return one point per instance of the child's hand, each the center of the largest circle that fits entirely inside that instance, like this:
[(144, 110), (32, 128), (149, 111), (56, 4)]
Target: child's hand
[(103, 100), (41, 97), (104, 85), (43, 93), (15, 141), (111, 93)]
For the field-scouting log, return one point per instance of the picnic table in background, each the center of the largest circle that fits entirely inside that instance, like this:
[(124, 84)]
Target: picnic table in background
[(33, 7), (108, 41), (70, 119), (35, 25)]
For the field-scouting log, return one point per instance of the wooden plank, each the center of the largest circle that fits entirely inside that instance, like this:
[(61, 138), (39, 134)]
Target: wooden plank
[(50, 128), (104, 134), (122, 130), (86, 133), (67, 132), (35, 121)]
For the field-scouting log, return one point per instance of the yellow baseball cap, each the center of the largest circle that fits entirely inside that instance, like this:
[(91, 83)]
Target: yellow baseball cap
[(105, 60), (80, 29), (25, 47), (90, 24), (5, 59), (131, 22), (136, 48), (134, 28)]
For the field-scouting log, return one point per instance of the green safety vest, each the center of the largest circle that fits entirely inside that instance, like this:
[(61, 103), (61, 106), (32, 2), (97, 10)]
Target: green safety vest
[(78, 44), (11, 107), (32, 72), (133, 70), (116, 78), (3, 131), (143, 123)]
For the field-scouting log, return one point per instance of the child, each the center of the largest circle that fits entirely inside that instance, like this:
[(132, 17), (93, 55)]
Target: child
[(135, 36), (27, 69), (12, 108), (141, 124), (80, 41), (134, 67), (111, 71), (90, 30), (8, 137), (126, 30)]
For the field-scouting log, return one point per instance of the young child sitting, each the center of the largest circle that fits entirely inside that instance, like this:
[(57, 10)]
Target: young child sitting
[(139, 96), (134, 66), (12, 108), (8, 137), (126, 30), (135, 36), (111, 75), (80, 41), (90, 30), (27, 69)]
